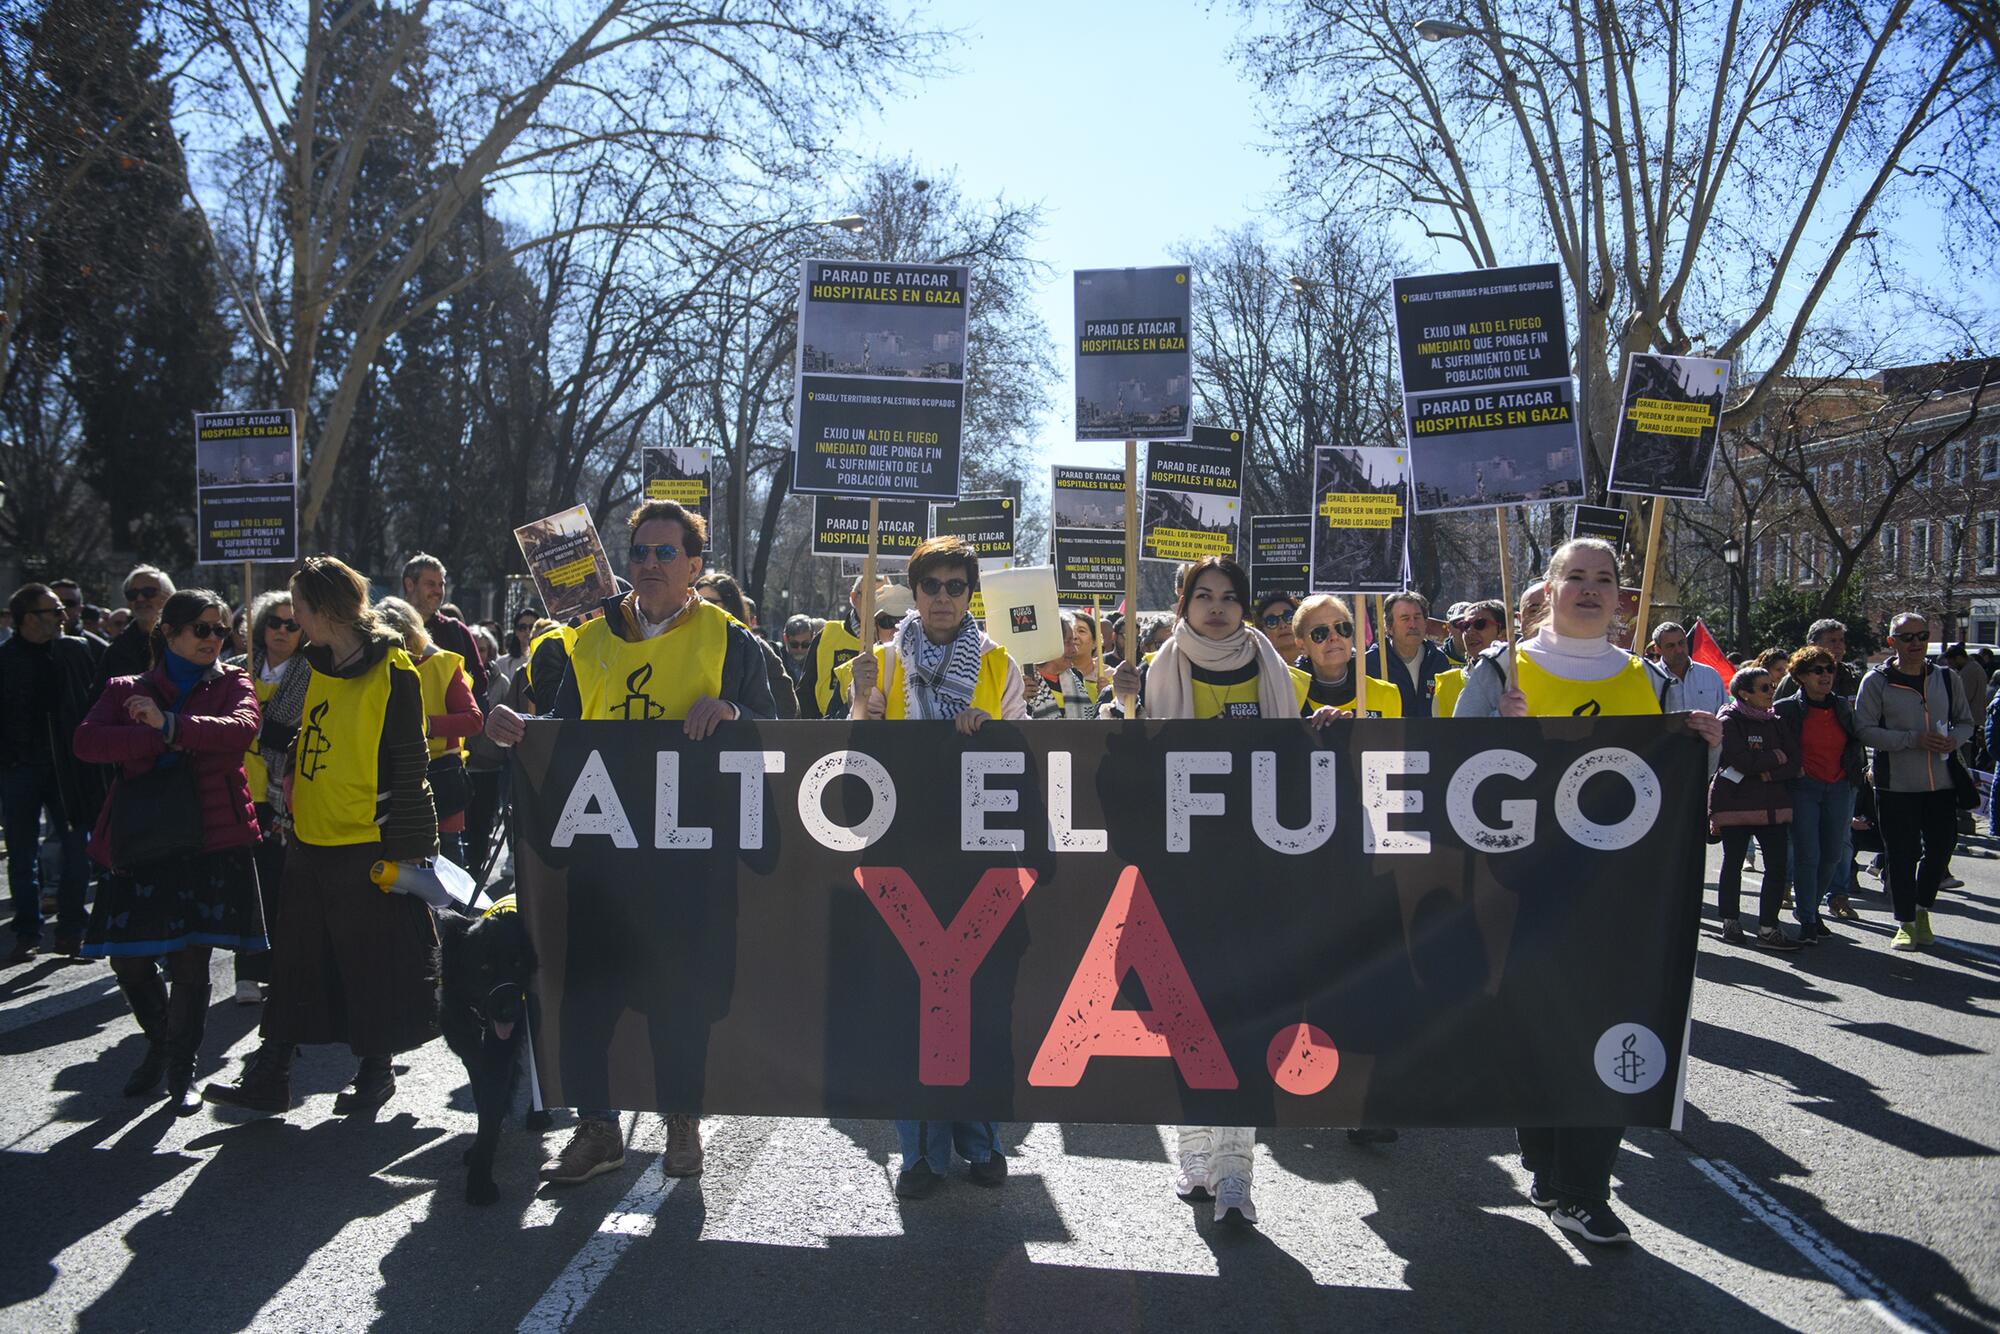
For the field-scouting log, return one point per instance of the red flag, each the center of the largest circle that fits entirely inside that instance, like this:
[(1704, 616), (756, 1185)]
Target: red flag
[(1704, 649)]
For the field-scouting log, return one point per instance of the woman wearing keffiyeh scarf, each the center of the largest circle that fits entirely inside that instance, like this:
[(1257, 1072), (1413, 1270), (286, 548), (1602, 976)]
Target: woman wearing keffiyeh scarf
[(940, 666)]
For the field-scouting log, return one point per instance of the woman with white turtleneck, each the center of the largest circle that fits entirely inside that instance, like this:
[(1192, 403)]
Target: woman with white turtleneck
[(1570, 667)]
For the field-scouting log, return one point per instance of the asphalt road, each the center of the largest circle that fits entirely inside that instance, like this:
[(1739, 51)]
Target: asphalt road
[(1837, 1171)]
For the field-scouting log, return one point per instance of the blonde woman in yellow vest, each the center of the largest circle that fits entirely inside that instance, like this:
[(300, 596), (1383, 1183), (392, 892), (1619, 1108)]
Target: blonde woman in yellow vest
[(275, 639), (451, 714), (1323, 628), (351, 964), (1570, 667), (658, 654), (941, 667)]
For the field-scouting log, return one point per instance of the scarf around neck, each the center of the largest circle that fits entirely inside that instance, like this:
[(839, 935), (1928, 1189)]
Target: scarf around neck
[(1170, 683), (939, 679)]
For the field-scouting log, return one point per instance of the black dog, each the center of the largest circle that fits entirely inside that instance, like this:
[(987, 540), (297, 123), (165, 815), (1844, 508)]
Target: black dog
[(487, 962)]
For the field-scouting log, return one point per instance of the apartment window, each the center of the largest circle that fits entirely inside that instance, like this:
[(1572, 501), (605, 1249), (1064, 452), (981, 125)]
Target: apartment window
[(1920, 547), (1861, 479), (1892, 550), (1833, 480), (1989, 544), (1954, 462), (1953, 554), (1989, 458)]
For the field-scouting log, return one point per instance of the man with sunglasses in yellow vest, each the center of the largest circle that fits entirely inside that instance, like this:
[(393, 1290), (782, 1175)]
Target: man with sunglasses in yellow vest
[(1477, 626), (658, 654)]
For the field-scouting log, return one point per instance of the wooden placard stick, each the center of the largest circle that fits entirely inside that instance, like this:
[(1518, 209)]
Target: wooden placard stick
[(1507, 594), (867, 635), (1653, 524), (1358, 661), (1096, 683), (1129, 627)]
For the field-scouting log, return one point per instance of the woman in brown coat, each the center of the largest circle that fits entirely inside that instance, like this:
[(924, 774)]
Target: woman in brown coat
[(1751, 797)]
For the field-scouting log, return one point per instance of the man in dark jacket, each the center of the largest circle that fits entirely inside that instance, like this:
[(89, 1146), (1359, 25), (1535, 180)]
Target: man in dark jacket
[(1414, 661), (45, 690), (423, 588), (147, 589)]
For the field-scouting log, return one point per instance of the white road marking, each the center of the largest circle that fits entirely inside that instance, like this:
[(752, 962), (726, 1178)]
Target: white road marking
[(1976, 951), (1847, 1273), (597, 1257)]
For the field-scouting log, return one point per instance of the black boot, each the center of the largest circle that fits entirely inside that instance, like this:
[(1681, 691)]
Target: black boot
[(374, 1084), (187, 1021), (146, 992), (265, 1086)]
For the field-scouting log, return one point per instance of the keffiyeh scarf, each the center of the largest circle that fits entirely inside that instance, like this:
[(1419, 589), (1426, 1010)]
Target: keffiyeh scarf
[(939, 679)]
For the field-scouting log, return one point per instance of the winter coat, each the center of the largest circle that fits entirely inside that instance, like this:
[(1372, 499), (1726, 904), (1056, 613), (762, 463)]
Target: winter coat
[(1853, 756), (1765, 751), (1893, 716), (42, 699), (215, 724)]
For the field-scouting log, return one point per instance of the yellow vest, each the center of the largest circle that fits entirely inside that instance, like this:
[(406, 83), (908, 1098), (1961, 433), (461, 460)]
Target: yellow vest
[(528, 661), (335, 770), (435, 675), (994, 668), (650, 679), (836, 648), (1450, 685), (1217, 701), (1627, 691), (1384, 700), (254, 769)]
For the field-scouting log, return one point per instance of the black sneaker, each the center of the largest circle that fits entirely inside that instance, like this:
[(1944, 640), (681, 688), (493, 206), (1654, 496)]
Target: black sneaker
[(1732, 933), (1540, 1195), (1774, 938), (992, 1172), (1593, 1222), (916, 1183), (1821, 931), (374, 1084)]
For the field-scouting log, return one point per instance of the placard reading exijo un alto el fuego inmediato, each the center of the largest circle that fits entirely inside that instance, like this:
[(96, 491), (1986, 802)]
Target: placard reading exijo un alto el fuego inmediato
[(880, 400)]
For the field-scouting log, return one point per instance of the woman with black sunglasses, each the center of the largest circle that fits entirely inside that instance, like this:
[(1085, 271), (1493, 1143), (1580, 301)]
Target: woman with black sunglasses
[(1323, 627), (1832, 767), (193, 712), (1750, 797)]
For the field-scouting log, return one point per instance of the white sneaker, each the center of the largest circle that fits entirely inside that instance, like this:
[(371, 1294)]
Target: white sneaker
[(1233, 1203), (1951, 882), (1191, 1182), (249, 993)]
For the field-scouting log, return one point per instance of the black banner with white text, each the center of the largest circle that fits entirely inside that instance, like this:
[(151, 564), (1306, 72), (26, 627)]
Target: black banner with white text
[(1449, 922)]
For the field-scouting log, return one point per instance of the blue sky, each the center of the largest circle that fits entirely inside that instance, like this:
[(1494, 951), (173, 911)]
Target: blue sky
[(1125, 122)]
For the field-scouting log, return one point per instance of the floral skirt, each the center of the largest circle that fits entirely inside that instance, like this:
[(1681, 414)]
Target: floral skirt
[(209, 899)]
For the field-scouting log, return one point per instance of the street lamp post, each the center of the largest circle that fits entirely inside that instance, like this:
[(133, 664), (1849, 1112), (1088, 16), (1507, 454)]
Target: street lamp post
[(1732, 556), (1439, 30)]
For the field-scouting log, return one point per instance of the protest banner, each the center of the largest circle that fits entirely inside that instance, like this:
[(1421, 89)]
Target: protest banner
[(567, 560), (1668, 422), (246, 495), (1194, 490), (840, 526), (1280, 555), (880, 395), (1360, 523), (1133, 368), (1087, 533), (683, 475), (1046, 922), (1607, 522)]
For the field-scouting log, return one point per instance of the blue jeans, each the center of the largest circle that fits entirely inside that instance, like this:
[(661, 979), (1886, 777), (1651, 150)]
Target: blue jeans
[(25, 792), (933, 1141), (1822, 842)]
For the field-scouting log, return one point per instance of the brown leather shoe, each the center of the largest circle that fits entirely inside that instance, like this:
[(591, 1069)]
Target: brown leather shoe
[(594, 1148), (683, 1157)]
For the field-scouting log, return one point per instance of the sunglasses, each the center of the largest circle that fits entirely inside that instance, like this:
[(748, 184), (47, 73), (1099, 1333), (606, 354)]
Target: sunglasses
[(798, 645), (1479, 623), (949, 587), (41, 611), (662, 552), (142, 594), (1275, 619), (285, 623), (1762, 689), (72, 603), (887, 620), (1819, 669), (1319, 634), (1913, 637), (206, 630)]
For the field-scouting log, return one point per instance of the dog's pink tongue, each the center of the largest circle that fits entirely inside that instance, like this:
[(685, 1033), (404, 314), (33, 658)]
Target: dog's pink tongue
[(503, 1031)]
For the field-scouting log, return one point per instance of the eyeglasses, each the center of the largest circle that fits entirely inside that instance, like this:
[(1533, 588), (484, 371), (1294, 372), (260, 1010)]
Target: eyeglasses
[(41, 611), (663, 552), (72, 603), (886, 620), (798, 645), (1479, 623), (1761, 688), (285, 623), (142, 594), (1818, 669), (1319, 633), (1273, 620), (206, 630), (949, 587), (1913, 637)]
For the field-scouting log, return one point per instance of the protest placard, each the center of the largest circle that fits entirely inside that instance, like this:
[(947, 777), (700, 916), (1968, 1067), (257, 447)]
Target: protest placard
[(1280, 555), (246, 495), (1486, 448), (1485, 327), (1602, 521), (881, 379), (680, 474), (567, 559), (1668, 421), (1087, 533), (1194, 490), (1360, 520), (985, 523), (840, 526), (1133, 364)]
